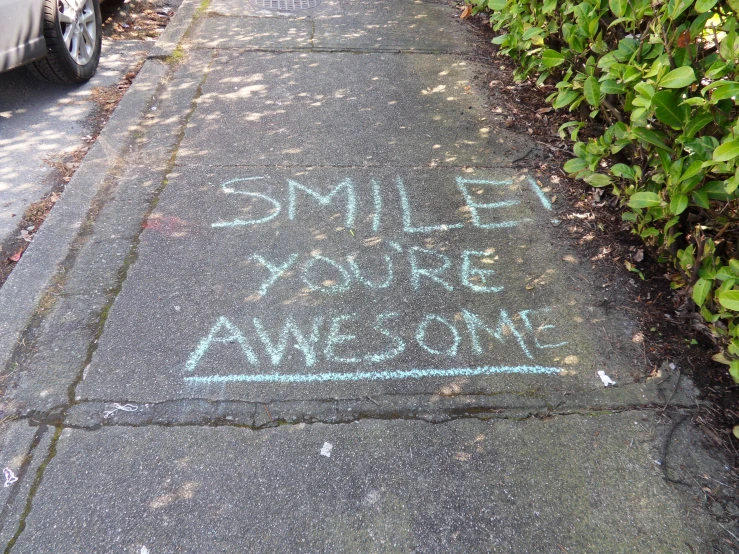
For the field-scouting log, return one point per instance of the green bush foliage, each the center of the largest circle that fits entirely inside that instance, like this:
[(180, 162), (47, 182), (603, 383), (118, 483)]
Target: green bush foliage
[(661, 78)]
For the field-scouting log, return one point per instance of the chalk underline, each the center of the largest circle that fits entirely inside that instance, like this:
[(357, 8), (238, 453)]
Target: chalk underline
[(372, 375)]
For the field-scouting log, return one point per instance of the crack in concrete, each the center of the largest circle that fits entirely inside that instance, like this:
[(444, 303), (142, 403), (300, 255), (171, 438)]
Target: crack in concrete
[(353, 166), (471, 56), (436, 418)]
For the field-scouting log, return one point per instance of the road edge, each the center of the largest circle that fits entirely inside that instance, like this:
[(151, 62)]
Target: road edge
[(35, 272)]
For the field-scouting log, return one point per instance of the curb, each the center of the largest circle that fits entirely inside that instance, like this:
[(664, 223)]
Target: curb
[(32, 276), (170, 39)]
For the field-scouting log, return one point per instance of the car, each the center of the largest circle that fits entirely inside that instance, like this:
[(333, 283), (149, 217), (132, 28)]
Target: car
[(60, 40)]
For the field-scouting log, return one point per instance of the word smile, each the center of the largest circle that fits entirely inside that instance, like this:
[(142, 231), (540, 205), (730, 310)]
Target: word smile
[(482, 215)]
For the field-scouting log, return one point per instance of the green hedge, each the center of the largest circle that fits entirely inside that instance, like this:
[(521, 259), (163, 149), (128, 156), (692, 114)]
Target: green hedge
[(661, 76)]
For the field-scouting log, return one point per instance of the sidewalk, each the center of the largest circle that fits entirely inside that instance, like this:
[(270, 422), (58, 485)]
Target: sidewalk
[(307, 303)]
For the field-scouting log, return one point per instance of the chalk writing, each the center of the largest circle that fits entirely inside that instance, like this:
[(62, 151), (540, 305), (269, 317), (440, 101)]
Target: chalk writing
[(451, 350), (239, 222), (305, 345), (469, 272), (540, 193), (275, 271), (426, 267), (324, 200), (431, 273), (407, 218), (475, 324), (525, 317), (235, 336), (331, 342), (474, 206), (377, 197), (371, 375), (347, 190), (351, 339), (367, 283), (343, 286)]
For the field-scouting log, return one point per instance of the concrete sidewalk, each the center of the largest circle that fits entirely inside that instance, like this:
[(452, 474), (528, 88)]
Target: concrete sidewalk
[(308, 304)]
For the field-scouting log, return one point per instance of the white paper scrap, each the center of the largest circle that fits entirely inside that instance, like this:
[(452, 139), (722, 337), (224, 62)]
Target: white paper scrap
[(10, 477), (606, 379), (326, 450)]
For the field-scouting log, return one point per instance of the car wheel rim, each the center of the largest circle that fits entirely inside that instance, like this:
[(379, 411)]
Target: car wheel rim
[(79, 29)]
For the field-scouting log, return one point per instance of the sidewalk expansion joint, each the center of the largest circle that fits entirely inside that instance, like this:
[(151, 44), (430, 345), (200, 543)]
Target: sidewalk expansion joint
[(508, 165), (259, 415), (432, 418), (469, 56)]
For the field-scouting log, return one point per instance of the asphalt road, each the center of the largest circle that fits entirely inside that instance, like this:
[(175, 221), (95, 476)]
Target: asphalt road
[(42, 122)]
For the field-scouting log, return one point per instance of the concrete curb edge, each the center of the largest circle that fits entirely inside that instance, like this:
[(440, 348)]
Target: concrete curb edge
[(32, 276)]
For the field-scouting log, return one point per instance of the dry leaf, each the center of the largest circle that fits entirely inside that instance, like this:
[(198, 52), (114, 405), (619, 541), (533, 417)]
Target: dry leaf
[(684, 39), (638, 255), (466, 12), (17, 256)]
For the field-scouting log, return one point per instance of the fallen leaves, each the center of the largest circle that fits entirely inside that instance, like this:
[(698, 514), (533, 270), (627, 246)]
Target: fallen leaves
[(466, 12), (15, 258)]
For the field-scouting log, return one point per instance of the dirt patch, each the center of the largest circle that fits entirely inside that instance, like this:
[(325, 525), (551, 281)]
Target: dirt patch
[(631, 280)]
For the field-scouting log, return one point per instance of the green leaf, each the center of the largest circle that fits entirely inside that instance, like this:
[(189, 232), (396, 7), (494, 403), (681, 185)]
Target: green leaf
[(678, 203), (694, 101), (699, 24), (734, 266), (727, 151), (676, 7), (692, 170), (729, 299), (647, 135), (623, 171), (702, 6), (700, 198), (598, 180), (668, 110), (678, 78), (552, 58), (531, 32), (565, 98), (610, 86), (734, 372), (725, 91), (629, 216), (697, 122), (591, 90), (575, 165), (700, 291), (644, 200), (618, 7), (496, 5), (549, 6)]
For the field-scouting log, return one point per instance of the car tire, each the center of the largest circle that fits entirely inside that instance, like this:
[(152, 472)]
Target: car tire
[(73, 41)]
